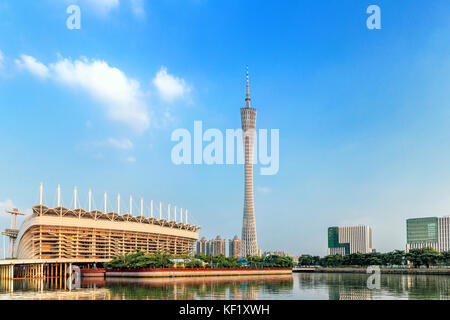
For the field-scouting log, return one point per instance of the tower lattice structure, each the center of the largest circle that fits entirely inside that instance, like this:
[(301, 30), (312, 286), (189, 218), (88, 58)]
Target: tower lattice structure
[(249, 244)]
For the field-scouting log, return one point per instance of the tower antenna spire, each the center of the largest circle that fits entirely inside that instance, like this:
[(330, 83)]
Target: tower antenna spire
[(247, 99)]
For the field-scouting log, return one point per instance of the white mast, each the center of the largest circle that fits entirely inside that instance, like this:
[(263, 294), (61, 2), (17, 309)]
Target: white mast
[(105, 201), (160, 210), (90, 197), (151, 208), (186, 216), (142, 206), (41, 187), (175, 214), (118, 203), (131, 205), (75, 197), (181, 215), (59, 195)]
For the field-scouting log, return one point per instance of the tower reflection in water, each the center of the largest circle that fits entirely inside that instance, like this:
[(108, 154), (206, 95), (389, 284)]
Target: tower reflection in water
[(244, 287), (298, 286)]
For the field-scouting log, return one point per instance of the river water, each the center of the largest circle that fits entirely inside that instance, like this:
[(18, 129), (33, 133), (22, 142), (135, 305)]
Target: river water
[(316, 286)]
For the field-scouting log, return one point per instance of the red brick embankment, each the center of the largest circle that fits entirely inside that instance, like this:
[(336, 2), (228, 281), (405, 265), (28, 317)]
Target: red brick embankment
[(179, 272)]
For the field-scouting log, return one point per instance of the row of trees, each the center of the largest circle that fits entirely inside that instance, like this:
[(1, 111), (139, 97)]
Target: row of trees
[(251, 261), (140, 259), (418, 257)]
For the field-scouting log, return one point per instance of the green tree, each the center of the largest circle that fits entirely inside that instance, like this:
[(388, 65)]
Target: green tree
[(445, 258), (204, 258), (423, 256), (331, 261), (373, 259), (315, 260), (281, 262), (219, 261), (305, 260), (140, 259), (396, 258), (255, 261), (194, 263)]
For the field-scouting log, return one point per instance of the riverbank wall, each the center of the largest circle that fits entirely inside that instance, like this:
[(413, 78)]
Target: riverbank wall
[(179, 272), (93, 273), (431, 271)]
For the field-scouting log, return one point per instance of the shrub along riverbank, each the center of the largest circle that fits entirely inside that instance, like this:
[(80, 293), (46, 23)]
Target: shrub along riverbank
[(141, 259), (417, 257)]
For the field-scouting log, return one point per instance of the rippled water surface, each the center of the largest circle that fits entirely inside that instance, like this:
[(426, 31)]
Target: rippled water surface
[(296, 286)]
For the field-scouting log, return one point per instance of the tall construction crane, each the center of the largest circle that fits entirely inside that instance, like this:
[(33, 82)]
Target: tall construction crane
[(13, 231)]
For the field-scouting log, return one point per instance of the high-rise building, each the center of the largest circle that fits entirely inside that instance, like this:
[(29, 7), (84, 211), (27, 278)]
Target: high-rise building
[(280, 253), (430, 232), (202, 246), (209, 248), (234, 247), (346, 240), (249, 243), (216, 246), (444, 233)]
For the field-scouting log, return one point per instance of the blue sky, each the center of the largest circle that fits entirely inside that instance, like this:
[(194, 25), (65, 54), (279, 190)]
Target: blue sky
[(364, 115)]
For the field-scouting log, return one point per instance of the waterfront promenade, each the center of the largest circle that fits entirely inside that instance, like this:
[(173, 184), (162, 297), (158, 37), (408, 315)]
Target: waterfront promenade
[(412, 271)]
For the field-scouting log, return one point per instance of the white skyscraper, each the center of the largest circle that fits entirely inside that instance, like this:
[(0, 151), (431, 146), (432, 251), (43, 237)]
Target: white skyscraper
[(346, 240)]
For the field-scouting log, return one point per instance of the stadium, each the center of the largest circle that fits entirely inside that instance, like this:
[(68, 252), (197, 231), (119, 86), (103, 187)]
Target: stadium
[(61, 233)]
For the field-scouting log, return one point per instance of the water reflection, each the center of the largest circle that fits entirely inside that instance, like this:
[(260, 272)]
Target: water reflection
[(40, 289), (354, 286), (297, 286), (244, 287)]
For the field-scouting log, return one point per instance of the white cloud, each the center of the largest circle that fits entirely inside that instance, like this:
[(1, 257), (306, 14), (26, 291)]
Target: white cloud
[(263, 190), (137, 6), (102, 6), (120, 96), (2, 58), (33, 66), (169, 87), (131, 159), (97, 146), (123, 144), (5, 205)]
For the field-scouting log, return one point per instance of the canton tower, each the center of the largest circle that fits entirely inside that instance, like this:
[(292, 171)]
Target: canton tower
[(249, 244)]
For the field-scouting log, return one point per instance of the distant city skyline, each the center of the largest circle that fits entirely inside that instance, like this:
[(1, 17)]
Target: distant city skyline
[(363, 114), (218, 246)]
